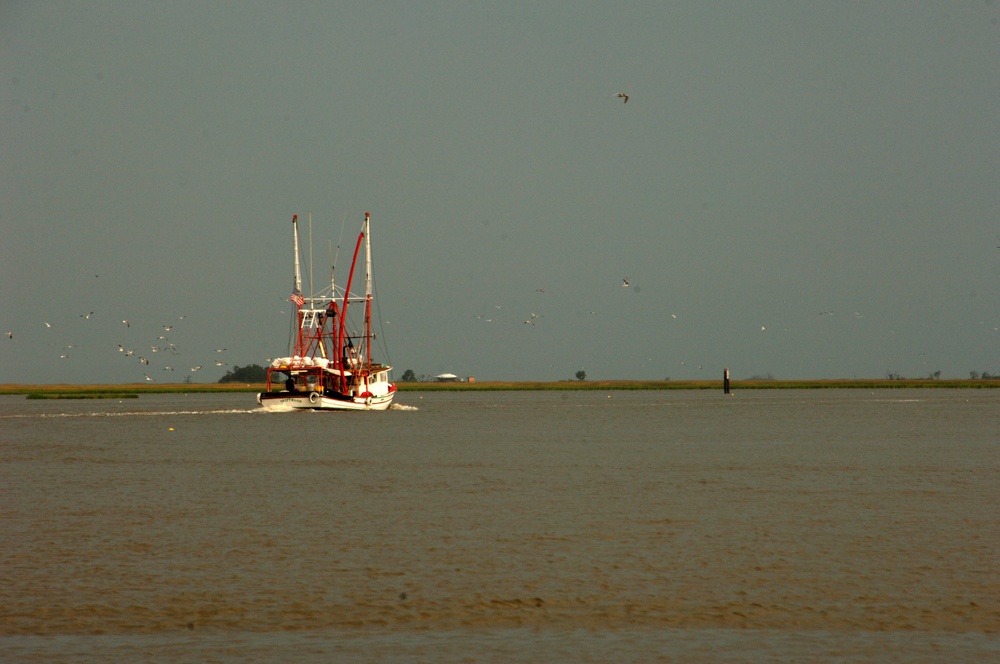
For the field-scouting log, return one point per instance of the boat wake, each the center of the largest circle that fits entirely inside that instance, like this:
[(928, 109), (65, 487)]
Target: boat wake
[(275, 408), (132, 413)]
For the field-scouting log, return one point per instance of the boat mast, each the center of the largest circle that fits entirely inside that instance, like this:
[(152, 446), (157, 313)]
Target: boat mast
[(368, 291), (312, 290), (295, 247), (297, 288)]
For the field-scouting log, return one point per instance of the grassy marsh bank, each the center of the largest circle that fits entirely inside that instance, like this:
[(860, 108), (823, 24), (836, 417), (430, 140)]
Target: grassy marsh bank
[(83, 395), (701, 385), (119, 391)]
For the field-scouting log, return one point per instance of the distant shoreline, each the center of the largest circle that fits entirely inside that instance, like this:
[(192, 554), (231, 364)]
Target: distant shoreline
[(607, 385)]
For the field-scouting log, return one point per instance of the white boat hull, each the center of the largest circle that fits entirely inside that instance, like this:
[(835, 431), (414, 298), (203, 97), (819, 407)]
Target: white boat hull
[(316, 401)]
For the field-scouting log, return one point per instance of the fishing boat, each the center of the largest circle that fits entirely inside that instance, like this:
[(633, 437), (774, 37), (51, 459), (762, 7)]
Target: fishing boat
[(330, 365)]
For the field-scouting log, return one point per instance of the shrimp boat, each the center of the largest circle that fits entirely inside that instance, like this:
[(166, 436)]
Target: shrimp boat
[(330, 365)]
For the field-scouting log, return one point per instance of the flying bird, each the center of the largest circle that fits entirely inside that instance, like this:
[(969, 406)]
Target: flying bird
[(87, 315), (10, 335), (623, 96), (625, 282)]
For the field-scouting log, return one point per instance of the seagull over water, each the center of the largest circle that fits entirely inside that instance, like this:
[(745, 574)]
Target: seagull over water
[(623, 96), (625, 282)]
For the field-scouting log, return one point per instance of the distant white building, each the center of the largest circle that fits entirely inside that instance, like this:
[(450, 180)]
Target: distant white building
[(447, 378)]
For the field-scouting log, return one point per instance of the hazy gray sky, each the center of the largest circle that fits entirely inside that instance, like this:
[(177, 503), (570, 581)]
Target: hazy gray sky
[(775, 160)]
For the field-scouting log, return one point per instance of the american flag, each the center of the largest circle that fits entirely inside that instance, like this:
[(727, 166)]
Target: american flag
[(297, 297)]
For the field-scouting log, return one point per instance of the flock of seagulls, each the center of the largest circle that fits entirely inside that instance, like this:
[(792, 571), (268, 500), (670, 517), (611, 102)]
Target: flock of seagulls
[(533, 319), (170, 347), (161, 345)]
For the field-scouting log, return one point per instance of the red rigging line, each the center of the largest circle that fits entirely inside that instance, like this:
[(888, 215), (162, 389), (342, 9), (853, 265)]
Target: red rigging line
[(339, 348)]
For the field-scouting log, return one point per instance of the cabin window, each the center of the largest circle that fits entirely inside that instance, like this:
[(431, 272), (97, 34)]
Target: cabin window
[(279, 380)]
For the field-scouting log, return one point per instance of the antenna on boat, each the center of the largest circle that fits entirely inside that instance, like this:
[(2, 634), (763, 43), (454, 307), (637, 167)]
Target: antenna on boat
[(343, 225), (312, 291), (333, 290)]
